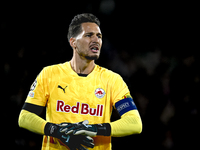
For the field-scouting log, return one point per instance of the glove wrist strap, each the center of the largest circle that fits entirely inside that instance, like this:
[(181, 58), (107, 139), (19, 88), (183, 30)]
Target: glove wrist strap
[(51, 129), (103, 129)]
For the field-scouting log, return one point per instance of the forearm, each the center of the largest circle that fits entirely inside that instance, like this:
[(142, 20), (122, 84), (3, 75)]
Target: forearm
[(34, 123), (130, 123), (31, 122)]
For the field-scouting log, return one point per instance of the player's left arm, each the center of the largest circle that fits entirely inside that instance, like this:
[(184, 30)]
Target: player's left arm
[(130, 122)]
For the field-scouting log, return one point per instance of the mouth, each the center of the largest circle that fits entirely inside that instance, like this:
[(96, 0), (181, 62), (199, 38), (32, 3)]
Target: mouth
[(94, 48)]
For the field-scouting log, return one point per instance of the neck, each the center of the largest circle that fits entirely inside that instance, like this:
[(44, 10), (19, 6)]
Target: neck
[(82, 65)]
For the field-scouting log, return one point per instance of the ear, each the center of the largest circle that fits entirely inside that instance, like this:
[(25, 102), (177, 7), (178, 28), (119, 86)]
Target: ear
[(72, 42)]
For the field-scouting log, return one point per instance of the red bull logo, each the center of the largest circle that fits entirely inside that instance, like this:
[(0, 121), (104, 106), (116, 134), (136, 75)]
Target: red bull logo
[(79, 108), (99, 93)]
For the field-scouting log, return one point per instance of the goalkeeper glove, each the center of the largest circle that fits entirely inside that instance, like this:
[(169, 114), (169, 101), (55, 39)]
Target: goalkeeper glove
[(73, 142), (91, 130)]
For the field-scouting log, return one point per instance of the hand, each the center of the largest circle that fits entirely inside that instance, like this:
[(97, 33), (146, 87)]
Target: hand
[(68, 128), (71, 141), (74, 142), (83, 128)]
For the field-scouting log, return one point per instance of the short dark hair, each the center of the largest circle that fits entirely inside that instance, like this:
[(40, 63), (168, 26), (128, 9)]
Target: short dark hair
[(75, 25)]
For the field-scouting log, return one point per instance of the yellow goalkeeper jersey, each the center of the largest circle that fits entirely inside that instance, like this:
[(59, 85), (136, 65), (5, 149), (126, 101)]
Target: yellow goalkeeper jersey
[(71, 98)]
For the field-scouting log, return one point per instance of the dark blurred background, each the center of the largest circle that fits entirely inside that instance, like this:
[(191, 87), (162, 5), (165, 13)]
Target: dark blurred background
[(153, 46)]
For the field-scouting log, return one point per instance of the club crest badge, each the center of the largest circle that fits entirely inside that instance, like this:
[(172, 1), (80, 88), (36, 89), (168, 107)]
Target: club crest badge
[(99, 93)]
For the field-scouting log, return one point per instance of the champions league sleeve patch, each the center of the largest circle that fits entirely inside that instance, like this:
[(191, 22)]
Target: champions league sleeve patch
[(31, 94), (125, 105)]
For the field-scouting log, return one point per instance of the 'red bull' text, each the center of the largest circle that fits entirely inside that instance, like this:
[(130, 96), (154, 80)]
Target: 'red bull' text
[(79, 108)]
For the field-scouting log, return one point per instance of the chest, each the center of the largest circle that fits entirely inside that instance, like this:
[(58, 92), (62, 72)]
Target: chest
[(80, 88), (80, 95)]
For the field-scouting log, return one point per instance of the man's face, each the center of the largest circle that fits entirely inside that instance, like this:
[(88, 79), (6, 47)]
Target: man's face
[(88, 43)]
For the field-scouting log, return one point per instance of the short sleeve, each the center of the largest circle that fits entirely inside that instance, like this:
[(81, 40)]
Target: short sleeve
[(119, 89), (39, 91)]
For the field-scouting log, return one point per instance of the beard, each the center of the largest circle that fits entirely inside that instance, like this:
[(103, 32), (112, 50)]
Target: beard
[(86, 54), (92, 57)]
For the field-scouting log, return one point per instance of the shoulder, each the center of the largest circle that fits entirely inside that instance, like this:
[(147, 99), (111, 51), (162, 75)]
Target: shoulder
[(54, 69), (108, 74), (55, 66)]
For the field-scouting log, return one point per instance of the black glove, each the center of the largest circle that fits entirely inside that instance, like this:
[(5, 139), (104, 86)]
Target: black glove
[(83, 128), (73, 142)]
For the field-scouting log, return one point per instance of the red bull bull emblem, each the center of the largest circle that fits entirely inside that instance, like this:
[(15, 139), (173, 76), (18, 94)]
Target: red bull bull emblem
[(99, 93)]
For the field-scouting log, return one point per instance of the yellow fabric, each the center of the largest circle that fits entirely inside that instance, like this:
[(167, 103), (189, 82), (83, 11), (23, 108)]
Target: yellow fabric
[(31, 122), (130, 123), (71, 98)]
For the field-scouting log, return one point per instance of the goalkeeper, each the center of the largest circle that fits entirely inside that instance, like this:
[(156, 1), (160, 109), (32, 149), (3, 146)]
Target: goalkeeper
[(79, 96)]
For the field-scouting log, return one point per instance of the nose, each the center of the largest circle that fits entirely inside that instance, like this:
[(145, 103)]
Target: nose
[(95, 38)]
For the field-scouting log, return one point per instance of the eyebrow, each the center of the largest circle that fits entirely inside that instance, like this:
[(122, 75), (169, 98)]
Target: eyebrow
[(93, 33)]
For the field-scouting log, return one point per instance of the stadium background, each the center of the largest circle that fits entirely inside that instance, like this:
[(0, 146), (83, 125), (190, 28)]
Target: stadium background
[(153, 46)]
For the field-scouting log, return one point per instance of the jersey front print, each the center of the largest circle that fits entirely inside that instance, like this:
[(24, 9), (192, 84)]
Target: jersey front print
[(69, 97)]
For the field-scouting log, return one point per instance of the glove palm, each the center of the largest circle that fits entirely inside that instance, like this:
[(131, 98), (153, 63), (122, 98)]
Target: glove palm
[(71, 141), (92, 130)]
